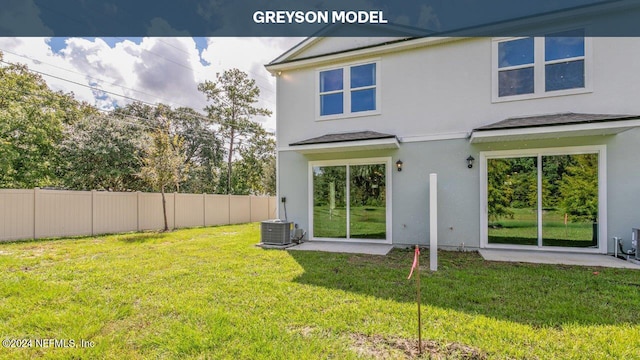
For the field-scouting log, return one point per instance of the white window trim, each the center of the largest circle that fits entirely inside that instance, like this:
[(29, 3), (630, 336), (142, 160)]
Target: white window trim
[(601, 150), (346, 91), (539, 70), (347, 162)]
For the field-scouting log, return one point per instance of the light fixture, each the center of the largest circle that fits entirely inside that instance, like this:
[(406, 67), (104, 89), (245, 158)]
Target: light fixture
[(470, 161), (399, 165), (279, 73)]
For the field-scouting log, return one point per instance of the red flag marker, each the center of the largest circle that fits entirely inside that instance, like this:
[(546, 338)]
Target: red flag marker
[(416, 267), (415, 261)]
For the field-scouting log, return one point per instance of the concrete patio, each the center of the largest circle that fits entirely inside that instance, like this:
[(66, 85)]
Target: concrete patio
[(337, 247), (535, 257), (547, 257)]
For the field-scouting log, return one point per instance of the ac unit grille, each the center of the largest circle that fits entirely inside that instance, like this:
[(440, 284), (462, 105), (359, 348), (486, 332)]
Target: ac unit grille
[(275, 232)]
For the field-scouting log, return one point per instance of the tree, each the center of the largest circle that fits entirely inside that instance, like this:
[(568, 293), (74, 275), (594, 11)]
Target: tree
[(203, 150), (32, 118), (254, 173), (163, 164), (579, 188), (102, 153), (232, 98), (498, 190)]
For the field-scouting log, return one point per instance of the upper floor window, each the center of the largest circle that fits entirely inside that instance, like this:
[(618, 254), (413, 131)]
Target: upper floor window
[(540, 66), (349, 90)]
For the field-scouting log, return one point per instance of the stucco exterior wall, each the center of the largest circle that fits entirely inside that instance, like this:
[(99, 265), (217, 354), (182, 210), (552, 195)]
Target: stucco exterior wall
[(443, 92), (459, 186), (446, 90)]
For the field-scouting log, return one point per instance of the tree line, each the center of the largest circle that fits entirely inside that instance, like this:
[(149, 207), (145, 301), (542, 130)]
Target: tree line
[(50, 139), (569, 184)]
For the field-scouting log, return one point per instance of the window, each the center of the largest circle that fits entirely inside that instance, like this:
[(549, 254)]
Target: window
[(351, 90), (540, 66), (564, 60), (544, 198)]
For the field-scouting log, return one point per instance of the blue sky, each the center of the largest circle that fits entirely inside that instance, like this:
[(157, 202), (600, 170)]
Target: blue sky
[(110, 72)]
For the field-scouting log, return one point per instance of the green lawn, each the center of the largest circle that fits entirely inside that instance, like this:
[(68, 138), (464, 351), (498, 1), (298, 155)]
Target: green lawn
[(210, 293), (522, 230)]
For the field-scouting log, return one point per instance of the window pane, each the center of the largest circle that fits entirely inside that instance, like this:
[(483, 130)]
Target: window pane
[(570, 200), (564, 45), (512, 201), (331, 104), (367, 208), (363, 75), (331, 80), (567, 75), (363, 100), (329, 201), (515, 52), (515, 82)]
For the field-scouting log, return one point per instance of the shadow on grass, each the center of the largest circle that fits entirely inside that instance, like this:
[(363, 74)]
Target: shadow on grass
[(141, 237), (532, 294)]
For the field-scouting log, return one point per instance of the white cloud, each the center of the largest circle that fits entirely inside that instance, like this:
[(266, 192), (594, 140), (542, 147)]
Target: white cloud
[(165, 70)]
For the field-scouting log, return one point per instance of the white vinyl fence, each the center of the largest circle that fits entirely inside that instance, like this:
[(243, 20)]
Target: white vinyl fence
[(33, 214)]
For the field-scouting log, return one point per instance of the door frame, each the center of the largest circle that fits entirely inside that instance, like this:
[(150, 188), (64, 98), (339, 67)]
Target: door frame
[(348, 162)]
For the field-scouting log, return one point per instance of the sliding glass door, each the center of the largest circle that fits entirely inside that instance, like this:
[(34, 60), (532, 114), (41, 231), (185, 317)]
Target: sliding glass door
[(330, 201), (570, 200), (513, 200), (350, 200), (544, 200)]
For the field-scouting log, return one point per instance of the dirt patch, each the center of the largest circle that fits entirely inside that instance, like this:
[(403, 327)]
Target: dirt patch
[(305, 331), (378, 347)]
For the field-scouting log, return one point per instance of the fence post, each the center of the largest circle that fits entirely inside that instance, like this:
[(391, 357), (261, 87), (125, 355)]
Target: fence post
[(36, 190), (204, 209), (229, 208), (93, 212), (250, 207), (175, 200), (137, 210)]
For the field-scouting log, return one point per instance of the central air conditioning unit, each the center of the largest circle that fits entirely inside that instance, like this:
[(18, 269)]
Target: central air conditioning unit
[(276, 232)]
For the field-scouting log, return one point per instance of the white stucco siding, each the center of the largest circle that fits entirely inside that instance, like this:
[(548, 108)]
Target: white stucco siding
[(446, 89)]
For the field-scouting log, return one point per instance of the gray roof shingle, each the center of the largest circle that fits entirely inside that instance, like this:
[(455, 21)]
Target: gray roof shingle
[(553, 120), (344, 137)]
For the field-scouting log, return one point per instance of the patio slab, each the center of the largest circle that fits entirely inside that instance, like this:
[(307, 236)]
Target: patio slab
[(351, 248), (547, 257)]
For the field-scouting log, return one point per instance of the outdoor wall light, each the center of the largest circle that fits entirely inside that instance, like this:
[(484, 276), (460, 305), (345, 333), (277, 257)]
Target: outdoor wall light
[(470, 161), (399, 165)]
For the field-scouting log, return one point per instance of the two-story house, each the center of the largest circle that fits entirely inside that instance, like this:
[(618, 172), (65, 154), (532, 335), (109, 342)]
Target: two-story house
[(535, 139)]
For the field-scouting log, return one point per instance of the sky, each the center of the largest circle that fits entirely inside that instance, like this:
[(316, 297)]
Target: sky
[(112, 72)]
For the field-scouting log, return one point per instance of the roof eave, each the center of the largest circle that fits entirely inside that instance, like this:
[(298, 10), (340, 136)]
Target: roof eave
[(555, 131), (359, 145), (374, 50)]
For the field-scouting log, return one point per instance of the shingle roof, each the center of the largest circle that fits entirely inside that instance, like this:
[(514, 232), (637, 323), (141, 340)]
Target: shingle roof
[(553, 120), (344, 137)]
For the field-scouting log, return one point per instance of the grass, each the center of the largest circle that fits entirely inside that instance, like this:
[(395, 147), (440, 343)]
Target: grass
[(522, 230), (210, 293), (367, 222)]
